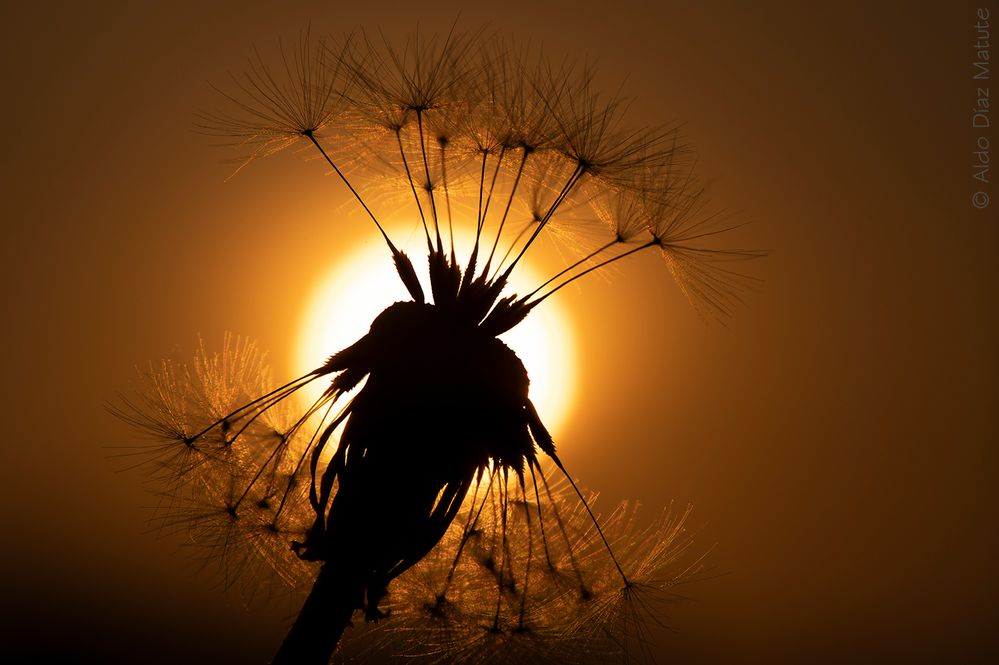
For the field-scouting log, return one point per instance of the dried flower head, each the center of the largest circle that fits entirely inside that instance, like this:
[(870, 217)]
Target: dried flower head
[(450, 522)]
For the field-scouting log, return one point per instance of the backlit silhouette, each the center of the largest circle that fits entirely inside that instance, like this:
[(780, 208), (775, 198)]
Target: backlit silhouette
[(425, 455)]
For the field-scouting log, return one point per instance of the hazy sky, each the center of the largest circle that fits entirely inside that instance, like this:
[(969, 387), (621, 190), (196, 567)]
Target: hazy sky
[(837, 440)]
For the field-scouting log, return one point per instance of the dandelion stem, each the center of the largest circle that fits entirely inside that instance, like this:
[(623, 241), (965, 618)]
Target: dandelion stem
[(324, 616)]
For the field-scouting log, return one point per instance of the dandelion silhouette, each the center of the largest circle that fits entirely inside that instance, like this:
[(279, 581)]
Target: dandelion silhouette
[(422, 483)]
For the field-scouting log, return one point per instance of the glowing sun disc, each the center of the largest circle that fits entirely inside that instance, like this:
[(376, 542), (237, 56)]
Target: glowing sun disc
[(354, 291)]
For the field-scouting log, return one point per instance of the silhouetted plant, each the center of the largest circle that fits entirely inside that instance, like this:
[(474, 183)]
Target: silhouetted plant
[(416, 473)]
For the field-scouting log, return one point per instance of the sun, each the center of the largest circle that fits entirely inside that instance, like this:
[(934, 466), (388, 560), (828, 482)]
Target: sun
[(355, 290)]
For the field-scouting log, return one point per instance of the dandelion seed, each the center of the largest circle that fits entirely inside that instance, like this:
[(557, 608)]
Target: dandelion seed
[(415, 488), (272, 107)]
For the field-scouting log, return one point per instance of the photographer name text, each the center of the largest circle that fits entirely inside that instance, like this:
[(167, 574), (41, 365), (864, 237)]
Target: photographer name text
[(981, 120)]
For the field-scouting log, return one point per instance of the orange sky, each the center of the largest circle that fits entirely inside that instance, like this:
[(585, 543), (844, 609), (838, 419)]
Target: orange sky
[(837, 439)]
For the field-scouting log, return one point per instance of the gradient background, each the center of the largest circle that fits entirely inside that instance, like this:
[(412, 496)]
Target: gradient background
[(838, 440)]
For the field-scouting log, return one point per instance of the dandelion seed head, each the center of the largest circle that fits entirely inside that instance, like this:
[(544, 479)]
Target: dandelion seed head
[(447, 529), (518, 572)]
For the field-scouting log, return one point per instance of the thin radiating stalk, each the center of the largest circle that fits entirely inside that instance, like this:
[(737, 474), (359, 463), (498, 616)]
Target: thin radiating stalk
[(651, 243), (566, 189), (509, 201), (307, 378), (301, 460), (575, 265), (541, 521), (530, 553), (501, 559), (318, 404), (430, 189), (565, 535), (469, 528), (492, 185), (412, 187), (482, 184), (353, 191), (593, 518), (447, 199)]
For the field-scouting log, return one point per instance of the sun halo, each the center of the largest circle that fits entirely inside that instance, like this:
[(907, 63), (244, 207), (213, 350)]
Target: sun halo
[(353, 291)]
